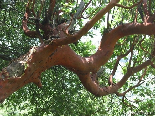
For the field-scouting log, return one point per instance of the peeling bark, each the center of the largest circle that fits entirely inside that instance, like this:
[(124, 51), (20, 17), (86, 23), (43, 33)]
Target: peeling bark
[(53, 54), (28, 68)]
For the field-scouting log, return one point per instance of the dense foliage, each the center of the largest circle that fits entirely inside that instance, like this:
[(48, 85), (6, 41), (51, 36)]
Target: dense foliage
[(62, 92)]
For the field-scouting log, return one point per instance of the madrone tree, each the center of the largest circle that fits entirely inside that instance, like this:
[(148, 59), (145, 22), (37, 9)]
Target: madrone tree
[(55, 33)]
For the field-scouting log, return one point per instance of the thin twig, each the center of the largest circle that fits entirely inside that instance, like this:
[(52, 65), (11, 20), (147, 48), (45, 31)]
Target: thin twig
[(126, 7)]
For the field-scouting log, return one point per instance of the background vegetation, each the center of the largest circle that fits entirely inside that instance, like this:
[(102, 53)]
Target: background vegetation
[(62, 93)]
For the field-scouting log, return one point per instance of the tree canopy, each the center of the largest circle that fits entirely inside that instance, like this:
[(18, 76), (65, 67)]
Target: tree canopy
[(42, 42)]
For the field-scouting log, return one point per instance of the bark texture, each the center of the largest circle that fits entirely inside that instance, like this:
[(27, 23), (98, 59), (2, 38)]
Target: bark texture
[(57, 52)]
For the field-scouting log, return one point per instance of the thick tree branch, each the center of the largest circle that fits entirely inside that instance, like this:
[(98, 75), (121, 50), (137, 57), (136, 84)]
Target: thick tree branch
[(57, 52), (94, 88), (88, 26), (53, 55), (51, 7)]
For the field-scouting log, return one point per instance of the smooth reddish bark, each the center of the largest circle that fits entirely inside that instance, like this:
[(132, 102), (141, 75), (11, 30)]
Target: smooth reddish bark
[(57, 52)]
